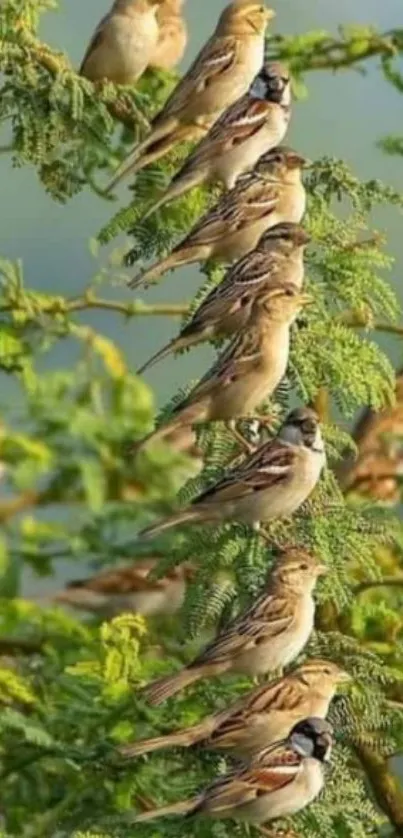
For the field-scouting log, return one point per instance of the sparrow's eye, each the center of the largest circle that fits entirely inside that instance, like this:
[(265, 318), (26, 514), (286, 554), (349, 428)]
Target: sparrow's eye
[(303, 566), (289, 292)]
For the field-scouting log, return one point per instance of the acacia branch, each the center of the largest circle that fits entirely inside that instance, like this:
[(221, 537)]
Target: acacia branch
[(89, 301), (386, 788), (387, 582), (336, 53)]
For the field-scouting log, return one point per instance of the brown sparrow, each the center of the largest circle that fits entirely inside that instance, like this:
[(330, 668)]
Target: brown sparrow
[(267, 636), (123, 42), (377, 470), (257, 122), (277, 261), (271, 194), (280, 781), (260, 717), (248, 370), (129, 588), (172, 36), (221, 73), (270, 483)]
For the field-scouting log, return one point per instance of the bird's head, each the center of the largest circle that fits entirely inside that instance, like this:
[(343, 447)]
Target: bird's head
[(312, 738), (272, 84), (301, 427), (296, 570), (280, 304), (243, 17), (285, 236), (280, 161), (322, 676)]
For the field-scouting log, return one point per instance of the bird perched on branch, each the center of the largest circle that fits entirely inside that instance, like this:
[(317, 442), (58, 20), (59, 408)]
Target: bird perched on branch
[(260, 717), (247, 371), (280, 781), (277, 262), (270, 483), (271, 194), (221, 73), (172, 36), (123, 42), (129, 588), (270, 634), (257, 122)]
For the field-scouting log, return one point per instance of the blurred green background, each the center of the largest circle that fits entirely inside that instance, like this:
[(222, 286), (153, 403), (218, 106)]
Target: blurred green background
[(344, 116)]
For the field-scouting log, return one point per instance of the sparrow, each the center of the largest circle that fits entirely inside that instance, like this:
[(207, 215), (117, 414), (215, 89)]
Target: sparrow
[(280, 781), (172, 36), (123, 42), (268, 635), (278, 260), (221, 73), (129, 589), (271, 194), (260, 717), (257, 122), (270, 483), (247, 371), (377, 470)]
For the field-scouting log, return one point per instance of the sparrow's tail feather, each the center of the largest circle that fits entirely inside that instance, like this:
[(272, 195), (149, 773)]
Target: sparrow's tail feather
[(173, 346), (174, 260), (149, 276), (180, 738), (184, 807), (184, 517), (138, 158), (175, 190), (158, 691)]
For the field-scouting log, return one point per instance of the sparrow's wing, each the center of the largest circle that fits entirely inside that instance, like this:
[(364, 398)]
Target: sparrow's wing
[(238, 124), (237, 290), (216, 58), (254, 269), (245, 785), (237, 208), (270, 465), (269, 617), (96, 41), (237, 360), (119, 580)]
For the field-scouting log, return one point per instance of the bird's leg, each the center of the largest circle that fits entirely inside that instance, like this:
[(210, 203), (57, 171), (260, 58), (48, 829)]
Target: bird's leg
[(239, 438), (265, 535)]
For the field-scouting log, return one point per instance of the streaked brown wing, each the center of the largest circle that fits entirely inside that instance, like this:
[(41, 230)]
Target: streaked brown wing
[(280, 695), (254, 269), (243, 786), (227, 132), (269, 465), (239, 207), (235, 362), (216, 58), (96, 41), (249, 630)]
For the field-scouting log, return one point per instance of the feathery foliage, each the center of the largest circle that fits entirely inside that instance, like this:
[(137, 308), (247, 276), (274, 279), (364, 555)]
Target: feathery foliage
[(70, 688)]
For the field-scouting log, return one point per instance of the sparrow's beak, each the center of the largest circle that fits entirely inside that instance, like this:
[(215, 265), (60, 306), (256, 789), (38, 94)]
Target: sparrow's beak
[(306, 163), (306, 299), (321, 570), (270, 14), (344, 677)]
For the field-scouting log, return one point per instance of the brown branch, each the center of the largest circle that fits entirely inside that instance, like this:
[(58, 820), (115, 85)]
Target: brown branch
[(336, 54), (20, 646), (386, 788), (88, 302), (387, 582)]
